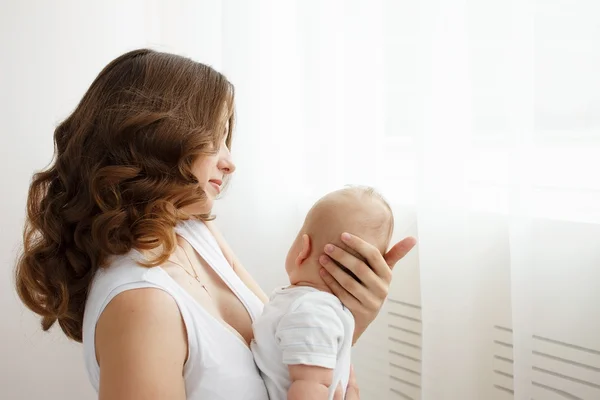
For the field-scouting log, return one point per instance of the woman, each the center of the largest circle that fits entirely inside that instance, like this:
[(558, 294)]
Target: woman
[(121, 250)]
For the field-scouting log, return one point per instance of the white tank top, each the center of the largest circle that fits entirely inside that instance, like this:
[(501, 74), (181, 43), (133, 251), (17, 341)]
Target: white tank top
[(219, 366)]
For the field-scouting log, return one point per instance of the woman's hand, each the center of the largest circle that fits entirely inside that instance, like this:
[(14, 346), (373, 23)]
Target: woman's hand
[(352, 391), (363, 300)]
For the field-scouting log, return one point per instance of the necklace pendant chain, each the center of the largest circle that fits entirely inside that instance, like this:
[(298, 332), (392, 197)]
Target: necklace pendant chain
[(195, 275)]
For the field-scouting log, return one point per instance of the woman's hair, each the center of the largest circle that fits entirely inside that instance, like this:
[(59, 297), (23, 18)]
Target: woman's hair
[(120, 176)]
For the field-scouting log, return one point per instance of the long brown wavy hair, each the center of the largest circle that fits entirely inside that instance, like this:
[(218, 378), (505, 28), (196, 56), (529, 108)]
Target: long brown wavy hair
[(120, 176)]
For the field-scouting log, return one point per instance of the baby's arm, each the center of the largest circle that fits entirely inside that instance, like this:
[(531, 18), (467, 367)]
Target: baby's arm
[(310, 336), (309, 382)]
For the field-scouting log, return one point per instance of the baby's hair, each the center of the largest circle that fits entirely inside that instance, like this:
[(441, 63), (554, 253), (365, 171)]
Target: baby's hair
[(370, 192)]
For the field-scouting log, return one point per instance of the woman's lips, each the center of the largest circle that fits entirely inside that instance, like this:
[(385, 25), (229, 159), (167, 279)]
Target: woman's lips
[(216, 183)]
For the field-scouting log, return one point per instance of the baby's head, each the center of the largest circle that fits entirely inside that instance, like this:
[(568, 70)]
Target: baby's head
[(360, 211)]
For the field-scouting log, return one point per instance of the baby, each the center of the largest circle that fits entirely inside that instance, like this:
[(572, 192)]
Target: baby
[(303, 339)]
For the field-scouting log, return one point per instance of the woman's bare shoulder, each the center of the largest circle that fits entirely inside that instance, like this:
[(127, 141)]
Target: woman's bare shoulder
[(141, 346)]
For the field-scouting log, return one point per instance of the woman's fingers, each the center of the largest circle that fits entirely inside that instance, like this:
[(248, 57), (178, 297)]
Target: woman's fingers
[(371, 254), (399, 250), (338, 395), (381, 266), (347, 282), (352, 391), (356, 266), (338, 290)]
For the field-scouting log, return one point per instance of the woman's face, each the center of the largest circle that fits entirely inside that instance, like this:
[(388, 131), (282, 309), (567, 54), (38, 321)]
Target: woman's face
[(210, 172)]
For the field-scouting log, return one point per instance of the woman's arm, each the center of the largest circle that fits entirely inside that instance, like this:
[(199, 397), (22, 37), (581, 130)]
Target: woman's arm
[(141, 347), (236, 264), (366, 299)]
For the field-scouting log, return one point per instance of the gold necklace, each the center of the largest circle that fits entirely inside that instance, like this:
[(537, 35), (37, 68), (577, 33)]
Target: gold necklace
[(195, 276)]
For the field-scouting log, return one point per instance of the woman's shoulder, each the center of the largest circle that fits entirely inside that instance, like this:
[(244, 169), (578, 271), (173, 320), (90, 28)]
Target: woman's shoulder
[(137, 313), (143, 327), (123, 267), (112, 306), (120, 271), (120, 274)]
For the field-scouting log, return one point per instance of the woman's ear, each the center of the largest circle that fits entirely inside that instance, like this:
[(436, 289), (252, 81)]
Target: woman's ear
[(304, 250)]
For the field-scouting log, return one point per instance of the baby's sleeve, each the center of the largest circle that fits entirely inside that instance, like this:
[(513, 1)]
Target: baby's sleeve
[(311, 332)]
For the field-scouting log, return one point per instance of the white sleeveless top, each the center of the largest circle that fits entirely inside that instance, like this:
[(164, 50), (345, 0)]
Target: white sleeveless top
[(219, 366)]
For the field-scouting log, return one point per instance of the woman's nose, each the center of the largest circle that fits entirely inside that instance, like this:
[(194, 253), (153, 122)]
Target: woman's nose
[(226, 164)]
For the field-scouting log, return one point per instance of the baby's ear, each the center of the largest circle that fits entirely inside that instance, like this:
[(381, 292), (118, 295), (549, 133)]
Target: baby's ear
[(304, 250)]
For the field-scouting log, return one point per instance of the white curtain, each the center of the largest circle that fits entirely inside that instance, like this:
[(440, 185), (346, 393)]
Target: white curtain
[(478, 120)]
